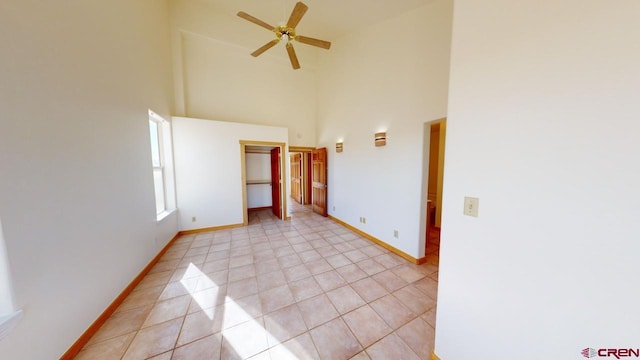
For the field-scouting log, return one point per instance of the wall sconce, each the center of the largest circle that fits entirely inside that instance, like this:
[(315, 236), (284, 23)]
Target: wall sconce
[(381, 139), (339, 147)]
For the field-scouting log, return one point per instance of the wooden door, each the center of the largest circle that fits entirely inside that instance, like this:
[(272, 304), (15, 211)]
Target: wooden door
[(296, 177), (306, 178), (275, 182), (428, 226), (319, 181)]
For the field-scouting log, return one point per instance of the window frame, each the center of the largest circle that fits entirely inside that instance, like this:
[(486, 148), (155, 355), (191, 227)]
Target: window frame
[(163, 165)]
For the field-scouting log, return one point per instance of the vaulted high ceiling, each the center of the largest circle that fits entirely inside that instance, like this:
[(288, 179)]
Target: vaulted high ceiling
[(325, 19)]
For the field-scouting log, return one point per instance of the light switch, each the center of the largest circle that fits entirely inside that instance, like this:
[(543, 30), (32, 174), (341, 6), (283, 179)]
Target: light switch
[(471, 206)]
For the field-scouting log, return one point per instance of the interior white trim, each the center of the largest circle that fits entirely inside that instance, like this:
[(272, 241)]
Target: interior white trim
[(8, 322)]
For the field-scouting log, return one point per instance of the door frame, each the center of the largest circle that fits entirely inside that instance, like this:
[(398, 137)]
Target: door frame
[(299, 163), (306, 171), (322, 189), (243, 178), (424, 203), (275, 159)]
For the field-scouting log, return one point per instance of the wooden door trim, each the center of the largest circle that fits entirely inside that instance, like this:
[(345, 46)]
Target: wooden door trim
[(293, 149), (306, 175), (308, 186), (295, 174), (322, 182), (243, 178), (275, 162), (426, 164)]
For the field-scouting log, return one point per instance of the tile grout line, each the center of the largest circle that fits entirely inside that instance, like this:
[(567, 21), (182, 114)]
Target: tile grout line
[(278, 232)]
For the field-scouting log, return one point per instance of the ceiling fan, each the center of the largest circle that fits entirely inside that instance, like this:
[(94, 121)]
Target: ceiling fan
[(286, 32)]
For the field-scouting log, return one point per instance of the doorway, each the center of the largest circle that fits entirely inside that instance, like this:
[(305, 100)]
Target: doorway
[(319, 181), (297, 179), (434, 155), (309, 170), (300, 169), (263, 172)]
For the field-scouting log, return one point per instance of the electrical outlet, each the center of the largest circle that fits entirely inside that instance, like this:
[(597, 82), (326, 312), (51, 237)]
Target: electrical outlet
[(471, 206), (395, 234), (364, 220), (193, 219), (334, 208)]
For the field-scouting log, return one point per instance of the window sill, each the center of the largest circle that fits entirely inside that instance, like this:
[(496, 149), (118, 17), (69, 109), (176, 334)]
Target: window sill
[(8, 322), (163, 215)]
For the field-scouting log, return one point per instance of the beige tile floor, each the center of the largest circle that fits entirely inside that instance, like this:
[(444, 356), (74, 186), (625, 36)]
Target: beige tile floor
[(302, 289)]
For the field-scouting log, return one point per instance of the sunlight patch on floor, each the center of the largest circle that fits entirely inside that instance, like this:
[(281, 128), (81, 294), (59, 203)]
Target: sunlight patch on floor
[(246, 335)]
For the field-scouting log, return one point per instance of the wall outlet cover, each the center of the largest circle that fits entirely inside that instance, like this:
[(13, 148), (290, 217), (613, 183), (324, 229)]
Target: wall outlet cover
[(471, 206)]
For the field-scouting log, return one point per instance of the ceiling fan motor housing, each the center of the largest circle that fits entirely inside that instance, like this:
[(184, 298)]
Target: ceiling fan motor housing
[(283, 30)]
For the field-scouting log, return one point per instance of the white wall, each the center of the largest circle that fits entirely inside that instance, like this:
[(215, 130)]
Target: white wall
[(258, 168), (208, 169), (76, 191), (543, 128), (216, 78), (392, 76), (259, 196)]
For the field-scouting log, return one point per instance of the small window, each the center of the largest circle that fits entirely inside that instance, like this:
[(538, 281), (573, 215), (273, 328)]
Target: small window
[(161, 161)]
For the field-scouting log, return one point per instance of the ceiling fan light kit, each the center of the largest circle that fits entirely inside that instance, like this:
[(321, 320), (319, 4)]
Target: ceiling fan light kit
[(286, 32)]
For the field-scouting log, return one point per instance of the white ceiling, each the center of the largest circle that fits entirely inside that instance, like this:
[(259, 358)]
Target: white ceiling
[(325, 19)]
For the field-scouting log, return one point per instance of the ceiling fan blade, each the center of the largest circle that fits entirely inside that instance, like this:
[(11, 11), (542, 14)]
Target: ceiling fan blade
[(292, 56), (265, 47), (297, 14), (314, 42), (255, 20)]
